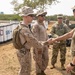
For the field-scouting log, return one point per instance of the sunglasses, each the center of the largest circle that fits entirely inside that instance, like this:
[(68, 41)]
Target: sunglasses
[(42, 15)]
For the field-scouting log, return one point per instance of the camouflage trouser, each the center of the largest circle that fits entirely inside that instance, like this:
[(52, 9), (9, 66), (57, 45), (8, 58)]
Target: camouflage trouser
[(25, 62), (41, 59), (73, 55), (56, 48)]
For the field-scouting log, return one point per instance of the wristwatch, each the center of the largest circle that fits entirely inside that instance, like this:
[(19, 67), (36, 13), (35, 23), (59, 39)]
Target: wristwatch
[(72, 64)]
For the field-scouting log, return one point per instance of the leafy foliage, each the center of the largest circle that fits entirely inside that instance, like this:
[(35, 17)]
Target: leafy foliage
[(32, 3)]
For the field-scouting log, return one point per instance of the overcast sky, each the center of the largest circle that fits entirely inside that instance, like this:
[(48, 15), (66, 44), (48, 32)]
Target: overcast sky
[(64, 7)]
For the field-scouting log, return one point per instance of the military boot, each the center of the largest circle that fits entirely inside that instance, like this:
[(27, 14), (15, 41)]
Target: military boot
[(62, 67)]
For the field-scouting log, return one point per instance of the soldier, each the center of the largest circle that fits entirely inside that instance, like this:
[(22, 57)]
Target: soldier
[(26, 36), (59, 29), (39, 32), (71, 66)]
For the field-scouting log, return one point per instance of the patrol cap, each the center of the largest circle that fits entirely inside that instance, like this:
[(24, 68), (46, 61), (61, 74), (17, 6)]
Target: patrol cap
[(41, 12), (73, 8), (60, 16), (25, 11)]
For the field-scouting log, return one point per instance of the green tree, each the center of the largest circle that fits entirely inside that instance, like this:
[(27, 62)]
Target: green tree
[(35, 4)]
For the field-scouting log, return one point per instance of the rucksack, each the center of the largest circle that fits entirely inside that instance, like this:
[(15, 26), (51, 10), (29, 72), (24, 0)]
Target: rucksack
[(16, 38)]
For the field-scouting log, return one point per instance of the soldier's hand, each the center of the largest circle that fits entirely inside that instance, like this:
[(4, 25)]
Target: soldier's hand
[(50, 41)]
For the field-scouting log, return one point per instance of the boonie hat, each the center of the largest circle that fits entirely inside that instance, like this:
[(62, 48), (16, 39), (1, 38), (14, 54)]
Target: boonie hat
[(25, 11), (41, 12)]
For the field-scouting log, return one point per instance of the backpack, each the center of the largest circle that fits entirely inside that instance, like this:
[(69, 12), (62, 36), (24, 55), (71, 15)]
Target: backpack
[(16, 38)]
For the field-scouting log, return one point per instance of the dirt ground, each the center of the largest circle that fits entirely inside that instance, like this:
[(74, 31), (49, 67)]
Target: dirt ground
[(9, 64)]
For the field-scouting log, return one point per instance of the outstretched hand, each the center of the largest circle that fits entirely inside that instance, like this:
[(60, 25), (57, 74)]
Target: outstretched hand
[(51, 40), (48, 41)]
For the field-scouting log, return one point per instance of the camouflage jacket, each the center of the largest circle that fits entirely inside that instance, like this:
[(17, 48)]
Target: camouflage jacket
[(40, 32), (26, 35), (59, 30)]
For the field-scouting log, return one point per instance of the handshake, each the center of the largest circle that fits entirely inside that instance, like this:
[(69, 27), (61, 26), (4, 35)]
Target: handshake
[(50, 41)]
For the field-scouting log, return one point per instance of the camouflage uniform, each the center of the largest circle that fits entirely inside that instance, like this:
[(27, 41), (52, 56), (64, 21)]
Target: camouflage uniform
[(73, 50), (58, 30), (27, 38), (73, 45), (24, 54), (39, 32)]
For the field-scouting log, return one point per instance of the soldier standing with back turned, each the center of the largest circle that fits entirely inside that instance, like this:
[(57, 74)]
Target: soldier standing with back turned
[(71, 66)]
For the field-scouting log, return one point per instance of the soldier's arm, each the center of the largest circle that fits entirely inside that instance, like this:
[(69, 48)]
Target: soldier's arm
[(65, 36), (32, 40)]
